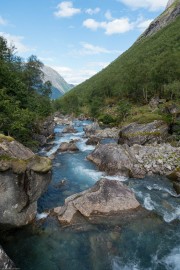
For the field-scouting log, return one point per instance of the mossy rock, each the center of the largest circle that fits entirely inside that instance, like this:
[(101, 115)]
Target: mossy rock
[(40, 164), (5, 165), (19, 166), (6, 138)]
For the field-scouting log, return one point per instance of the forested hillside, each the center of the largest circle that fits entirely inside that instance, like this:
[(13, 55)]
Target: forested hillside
[(151, 67), (24, 98)]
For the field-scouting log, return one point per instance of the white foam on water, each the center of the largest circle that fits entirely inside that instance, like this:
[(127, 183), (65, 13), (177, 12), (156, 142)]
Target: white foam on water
[(168, 217), (83, 147), (148, 203), (172, 261), (117, 177), (118, 265), (41, 215), (94, 175), (156, 187)]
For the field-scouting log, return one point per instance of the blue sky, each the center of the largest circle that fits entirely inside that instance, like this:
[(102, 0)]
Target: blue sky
[(77, 38)]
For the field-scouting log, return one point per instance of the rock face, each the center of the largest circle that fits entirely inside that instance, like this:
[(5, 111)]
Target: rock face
[(106, 197), (91, 129), (136, 161), (93, 141), (107, 133), (23, 178), (169, 15), (65, 146), (69, 129), (135, 133), (112, 158), (5, 262), (44, 130), (170, 2)]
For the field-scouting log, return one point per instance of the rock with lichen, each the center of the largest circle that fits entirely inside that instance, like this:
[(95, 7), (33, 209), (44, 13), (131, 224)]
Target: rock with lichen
[(24, 176)]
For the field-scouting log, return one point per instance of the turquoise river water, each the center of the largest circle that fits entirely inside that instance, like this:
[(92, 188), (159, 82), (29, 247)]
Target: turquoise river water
[(153, 242)]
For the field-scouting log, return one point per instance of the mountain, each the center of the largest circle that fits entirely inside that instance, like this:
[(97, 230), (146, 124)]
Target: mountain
[(59, 85), (150, 67), (169, 15)]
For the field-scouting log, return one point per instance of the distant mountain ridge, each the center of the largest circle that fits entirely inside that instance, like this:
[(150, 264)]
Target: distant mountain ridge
[(59, 85)]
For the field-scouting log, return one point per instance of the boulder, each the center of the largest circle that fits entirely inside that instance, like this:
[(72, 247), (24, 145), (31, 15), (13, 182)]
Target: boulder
[(5, 261), (175, 178), (69, 129), (107, 133), (65, 146), (44, 130), (112, 158), (91, 129), (105, 198), (23, 178), (137, 160), (93, 141), (135, 133)]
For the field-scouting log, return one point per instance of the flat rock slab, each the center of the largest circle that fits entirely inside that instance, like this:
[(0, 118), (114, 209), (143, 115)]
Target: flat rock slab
[(106, 197)]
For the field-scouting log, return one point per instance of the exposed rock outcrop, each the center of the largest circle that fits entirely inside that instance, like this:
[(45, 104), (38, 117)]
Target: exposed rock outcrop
[(65, 146), (105, 198), (5, 262), (137, 161), (169, 15), (93, 141), (91, 129), (107, 133), (44, 130), (69, 129), (23, 178), (135, 133)]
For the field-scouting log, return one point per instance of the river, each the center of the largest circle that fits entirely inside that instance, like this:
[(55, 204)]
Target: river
[(150, 243)]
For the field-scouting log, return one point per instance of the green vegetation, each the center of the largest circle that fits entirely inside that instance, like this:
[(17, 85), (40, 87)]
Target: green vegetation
[(24, 98), (151, 67)]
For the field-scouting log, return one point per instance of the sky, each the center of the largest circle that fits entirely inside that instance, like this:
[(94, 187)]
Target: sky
[(77, 38)]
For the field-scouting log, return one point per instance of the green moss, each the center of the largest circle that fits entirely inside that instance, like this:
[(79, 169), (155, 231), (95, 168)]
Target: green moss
[(40, 164), (6, 138)]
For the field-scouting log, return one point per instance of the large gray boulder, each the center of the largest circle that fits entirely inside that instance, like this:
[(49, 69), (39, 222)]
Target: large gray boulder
[(112, 158), (135, 133), (91, 129), (137, 160), (44, 130), (105, 198), (68, 146), (69, 129), (107, 133), (5, 262), (23, 178)]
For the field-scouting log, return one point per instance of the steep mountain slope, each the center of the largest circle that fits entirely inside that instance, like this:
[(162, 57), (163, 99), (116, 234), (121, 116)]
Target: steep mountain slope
[(150, 67), (59, 85), (168, 16)]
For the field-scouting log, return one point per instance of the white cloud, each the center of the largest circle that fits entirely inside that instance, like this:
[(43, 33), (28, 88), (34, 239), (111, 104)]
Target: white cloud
[(152, 5), (144, 24), (91, 11), (90, 49), (75, 76), (108, 15), (116, 26), (98, 64), (65, 9), (3, 21), (46, 59), (17, 42), (92, 24)]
